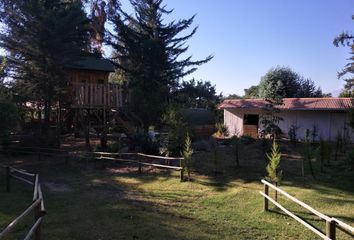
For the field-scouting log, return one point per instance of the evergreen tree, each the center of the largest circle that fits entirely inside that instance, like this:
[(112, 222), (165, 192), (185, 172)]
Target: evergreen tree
[(283, 82), (153, 50), (273, 171), (197, 94), (187, 156), (347, 39), (41, 37)]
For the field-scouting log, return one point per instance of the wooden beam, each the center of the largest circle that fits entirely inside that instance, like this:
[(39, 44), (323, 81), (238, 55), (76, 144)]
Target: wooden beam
[(307, 225)]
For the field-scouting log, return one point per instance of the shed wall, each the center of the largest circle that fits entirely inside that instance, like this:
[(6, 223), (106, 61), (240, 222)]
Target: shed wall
[(328, 123)]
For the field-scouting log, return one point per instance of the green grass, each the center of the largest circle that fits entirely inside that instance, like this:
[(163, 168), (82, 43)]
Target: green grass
[(104, 204)]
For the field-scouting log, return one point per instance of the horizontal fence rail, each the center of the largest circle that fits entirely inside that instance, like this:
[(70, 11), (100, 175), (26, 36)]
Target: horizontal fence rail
[(331, 223), (137, 159), (39, 151), (37, 206)]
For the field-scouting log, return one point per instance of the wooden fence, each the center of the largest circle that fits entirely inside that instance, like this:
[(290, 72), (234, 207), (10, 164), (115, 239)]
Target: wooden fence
[(37, 205), (138, 158), (40, 152), (331, 223)]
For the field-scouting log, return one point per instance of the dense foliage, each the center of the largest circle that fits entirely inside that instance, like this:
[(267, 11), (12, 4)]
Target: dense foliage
[(282, 82), (347, 39), (41, 37), (197, 94), (149, 52)]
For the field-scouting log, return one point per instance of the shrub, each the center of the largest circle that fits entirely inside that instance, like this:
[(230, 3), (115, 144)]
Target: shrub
[(307, 154), (236, 143), (246, 139), (177, 130), (293, 133), (349, 159), (8, 119), (143, 142), (221, 130), (187, 156), (339, 145), (323, 153), (273, 168)]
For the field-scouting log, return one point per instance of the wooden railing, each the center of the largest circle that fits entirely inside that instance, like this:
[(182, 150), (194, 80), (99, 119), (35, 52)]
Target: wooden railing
[(39, 151), (37, 206), (138, 158), (88, 95), (331, 223)]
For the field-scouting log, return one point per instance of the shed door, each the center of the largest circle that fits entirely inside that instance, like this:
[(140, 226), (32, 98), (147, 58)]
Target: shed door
[(250, 125)]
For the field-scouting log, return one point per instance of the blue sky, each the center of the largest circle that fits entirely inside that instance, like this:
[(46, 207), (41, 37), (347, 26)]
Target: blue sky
[(249, 37)]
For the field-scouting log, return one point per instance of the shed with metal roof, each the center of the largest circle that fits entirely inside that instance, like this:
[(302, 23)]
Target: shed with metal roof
[(327, 116)]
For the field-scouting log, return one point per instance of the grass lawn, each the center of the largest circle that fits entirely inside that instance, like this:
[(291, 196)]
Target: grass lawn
[(84, 202)]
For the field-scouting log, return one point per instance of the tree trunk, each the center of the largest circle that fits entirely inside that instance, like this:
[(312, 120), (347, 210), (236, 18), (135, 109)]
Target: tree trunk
[(47, 108)]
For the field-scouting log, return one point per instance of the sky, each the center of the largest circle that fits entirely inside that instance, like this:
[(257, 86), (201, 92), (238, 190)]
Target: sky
[(248, 37)]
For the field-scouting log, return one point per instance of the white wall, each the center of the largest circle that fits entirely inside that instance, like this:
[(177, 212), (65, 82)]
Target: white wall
[(328, 123)]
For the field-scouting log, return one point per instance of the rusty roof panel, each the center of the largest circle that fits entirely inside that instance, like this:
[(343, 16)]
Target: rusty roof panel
[(292, 103)]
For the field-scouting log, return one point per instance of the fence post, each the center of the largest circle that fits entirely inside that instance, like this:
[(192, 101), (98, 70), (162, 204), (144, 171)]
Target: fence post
[(139, 168), (331, 229), (8, 178), (181, 164), (266, 201), (66, 158), (39, 154), (37, 215)]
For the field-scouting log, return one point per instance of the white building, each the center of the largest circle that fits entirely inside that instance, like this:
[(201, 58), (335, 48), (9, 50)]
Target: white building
[(329, 115)]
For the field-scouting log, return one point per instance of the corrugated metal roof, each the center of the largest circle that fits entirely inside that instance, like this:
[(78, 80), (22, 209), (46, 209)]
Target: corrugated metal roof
[(292, 103)]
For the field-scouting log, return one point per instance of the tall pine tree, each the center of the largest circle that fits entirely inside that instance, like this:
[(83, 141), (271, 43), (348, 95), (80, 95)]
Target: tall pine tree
[(150, 53), (40, 38), (347, 39)]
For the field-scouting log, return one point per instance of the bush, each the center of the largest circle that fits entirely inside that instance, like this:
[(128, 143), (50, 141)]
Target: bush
[(8, 119), (187, 156), (246, 139), (349, 159), (293, 133), (144, 143), (273, 168), (221, 130), (177, 130)]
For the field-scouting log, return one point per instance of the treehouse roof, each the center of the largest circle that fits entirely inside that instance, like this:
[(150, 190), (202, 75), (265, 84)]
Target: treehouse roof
[(93, 63)]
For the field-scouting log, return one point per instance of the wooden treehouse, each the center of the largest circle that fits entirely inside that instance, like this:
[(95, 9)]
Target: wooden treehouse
[(94, 101)]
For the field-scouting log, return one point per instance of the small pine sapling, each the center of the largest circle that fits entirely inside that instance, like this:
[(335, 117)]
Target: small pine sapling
[(236, 143), (307, 155), (339, 145), (187, 156), (323, 153), (314, 133), (215, 156), (293, 134), (349, 159), (273, 168)]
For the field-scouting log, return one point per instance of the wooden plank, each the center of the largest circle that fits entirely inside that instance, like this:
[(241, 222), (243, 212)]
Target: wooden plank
[(158, 157), (35, 189), (307, 225), (317, 213), (33, 229), (344, 227), (40, 194), (22, 172), (142, 163), (22, 179), (14, 223)]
